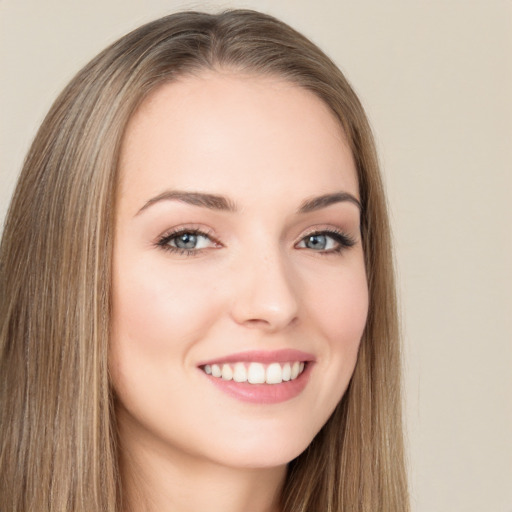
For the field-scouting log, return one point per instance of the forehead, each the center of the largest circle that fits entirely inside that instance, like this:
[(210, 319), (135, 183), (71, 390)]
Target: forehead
[(228, 133)]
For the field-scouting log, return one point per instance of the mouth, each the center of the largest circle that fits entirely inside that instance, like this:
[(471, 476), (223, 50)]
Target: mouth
[(261, 377), (256, 373)]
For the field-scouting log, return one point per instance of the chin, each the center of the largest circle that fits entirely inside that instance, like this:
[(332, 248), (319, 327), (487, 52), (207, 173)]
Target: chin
[(262, 458), (263, 448)]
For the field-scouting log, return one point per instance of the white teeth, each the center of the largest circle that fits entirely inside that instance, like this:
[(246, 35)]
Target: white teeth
[(274, 374), (240, 373), (287, 372), (227, 372), (295, 370), (256, 373)]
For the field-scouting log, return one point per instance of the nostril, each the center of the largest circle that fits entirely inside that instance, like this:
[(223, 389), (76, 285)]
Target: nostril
[(269, 324), (256, 322)]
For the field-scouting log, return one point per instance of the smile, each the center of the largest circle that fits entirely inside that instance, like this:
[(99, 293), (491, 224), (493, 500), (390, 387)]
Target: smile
[(260, 377), (255, 372)]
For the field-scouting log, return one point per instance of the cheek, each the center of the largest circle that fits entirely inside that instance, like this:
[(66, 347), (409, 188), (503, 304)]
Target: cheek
[(341, 308), (340, 312), (158, 314)]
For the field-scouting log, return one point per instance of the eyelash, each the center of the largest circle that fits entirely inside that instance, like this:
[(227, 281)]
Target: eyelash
[(163, 241), (343, 240)]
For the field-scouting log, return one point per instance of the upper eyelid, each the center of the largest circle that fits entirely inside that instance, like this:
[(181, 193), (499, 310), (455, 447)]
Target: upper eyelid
[(209, 232), (200, 230), (166, 237), (320, 229), (177, 234), (323, 229), (163, 240), (349, 240)]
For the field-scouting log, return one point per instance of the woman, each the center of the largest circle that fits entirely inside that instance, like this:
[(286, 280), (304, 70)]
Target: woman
[(198, 304)]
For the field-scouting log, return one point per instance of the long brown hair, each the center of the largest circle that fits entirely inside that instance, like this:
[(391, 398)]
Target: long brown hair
[(58, 434)]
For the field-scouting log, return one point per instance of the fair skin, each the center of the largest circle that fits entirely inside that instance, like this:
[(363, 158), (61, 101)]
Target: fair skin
[(260, 275)]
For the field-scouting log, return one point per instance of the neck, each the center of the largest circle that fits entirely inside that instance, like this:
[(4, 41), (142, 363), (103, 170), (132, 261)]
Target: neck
[(170, 481)]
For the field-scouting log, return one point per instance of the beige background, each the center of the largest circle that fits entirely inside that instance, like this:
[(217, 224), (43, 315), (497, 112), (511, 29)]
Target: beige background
[(436, 79)]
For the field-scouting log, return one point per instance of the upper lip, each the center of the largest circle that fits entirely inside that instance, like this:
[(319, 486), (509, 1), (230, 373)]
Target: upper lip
[(263, 356)]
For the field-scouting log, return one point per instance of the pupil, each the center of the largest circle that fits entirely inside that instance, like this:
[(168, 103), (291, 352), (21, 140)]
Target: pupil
[(186, 241), (317, 242)]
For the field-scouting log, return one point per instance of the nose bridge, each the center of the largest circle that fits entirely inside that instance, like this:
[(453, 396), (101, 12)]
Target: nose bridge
[(265, 295)]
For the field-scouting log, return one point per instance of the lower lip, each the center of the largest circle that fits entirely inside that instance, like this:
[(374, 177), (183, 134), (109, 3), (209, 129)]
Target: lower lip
[(263, 393)]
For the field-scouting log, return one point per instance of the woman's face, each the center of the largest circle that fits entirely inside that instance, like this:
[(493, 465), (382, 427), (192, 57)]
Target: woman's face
[(239, 287)]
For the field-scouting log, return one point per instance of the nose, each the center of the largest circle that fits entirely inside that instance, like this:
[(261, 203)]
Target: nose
[(265, 292)]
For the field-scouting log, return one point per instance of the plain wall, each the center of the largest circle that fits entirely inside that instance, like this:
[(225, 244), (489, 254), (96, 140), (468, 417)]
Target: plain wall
[(436, 80)]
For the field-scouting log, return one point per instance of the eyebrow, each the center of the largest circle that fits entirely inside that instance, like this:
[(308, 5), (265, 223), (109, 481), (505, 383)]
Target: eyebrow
[(221, 203), (316, 203), (210, 201)]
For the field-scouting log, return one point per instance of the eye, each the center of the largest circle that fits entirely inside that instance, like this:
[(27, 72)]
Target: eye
[(326, 241), (189, 241), (186, 241)]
